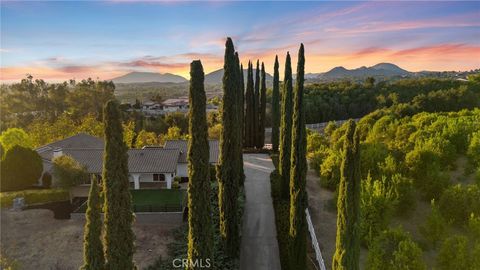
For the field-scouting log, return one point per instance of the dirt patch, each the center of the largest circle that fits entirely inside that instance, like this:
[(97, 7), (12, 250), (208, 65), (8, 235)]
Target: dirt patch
[(324, 218), (38, 241)]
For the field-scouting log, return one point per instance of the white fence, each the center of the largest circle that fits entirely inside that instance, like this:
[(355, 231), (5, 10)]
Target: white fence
[(316, 247)]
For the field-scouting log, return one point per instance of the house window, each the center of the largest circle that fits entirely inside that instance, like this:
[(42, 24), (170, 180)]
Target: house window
[(158, 177)]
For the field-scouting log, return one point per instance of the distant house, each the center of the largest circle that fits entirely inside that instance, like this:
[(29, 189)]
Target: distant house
[(149, 167), (182, 145), (175, 105)]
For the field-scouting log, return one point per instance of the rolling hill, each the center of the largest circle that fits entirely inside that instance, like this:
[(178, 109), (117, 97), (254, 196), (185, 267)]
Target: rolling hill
[(146, 77), (216, 76), (378, 70)]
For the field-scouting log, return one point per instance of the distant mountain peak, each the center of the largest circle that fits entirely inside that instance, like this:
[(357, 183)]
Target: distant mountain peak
[(144, 77), (381, 69)]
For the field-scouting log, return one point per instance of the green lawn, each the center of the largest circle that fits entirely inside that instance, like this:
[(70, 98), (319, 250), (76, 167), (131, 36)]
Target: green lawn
[(158, 196), (154, 200)]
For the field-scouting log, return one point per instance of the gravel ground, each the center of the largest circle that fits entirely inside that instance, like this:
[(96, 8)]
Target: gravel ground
[(35, 240)]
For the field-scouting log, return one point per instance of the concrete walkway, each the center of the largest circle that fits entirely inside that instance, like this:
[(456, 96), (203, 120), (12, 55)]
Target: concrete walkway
[(259, 247)]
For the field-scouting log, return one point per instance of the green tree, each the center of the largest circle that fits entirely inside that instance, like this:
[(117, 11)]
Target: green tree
[(275, 106), (394, 249), (286, 130), (298, 172), (145, 138), (226, 170), (347, 249), (408, 256), (20, 169), (249, 110), (435, 228), (93, 258), (454, 254), (15, 136), (119, 237), (240, 108), (256, 106), (200, 233), (68, 172), (262, 109)]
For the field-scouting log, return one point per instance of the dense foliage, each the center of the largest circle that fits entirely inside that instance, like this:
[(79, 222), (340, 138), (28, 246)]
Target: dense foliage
[(20, 169), (343, 100), (275, 107), (227, 168), (200, 232), (347, 248), (118, 236), (24, 102), (68, 172), (298, 173), (93, 258), (34, 196), (286, 129)]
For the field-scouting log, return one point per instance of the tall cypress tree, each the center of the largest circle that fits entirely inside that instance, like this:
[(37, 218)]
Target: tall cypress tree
[(286, 130), (200, 231), (275, 106), (93, 258), (226, 171), (249, 111), (347, 250), (298, 172), (241, 108), (263, 107), (256, 106), (119, 237)]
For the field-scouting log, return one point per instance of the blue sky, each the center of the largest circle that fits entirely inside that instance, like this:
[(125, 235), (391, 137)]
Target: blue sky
[(62, 40)]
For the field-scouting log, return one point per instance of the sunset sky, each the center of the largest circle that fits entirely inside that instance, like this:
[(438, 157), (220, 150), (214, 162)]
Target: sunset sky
[(65, 40)]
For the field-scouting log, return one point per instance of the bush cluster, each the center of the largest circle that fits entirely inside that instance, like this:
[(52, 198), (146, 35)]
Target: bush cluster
[(34, 196)]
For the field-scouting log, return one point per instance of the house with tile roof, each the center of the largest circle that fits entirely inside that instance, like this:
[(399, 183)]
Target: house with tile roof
[(182, 145), (149, 167)]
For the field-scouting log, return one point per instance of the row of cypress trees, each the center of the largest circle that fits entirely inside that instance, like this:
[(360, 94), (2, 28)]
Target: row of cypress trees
[(256, 104), (116, 251)]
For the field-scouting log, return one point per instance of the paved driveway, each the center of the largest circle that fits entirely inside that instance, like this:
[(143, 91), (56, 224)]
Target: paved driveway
[(259, 247)]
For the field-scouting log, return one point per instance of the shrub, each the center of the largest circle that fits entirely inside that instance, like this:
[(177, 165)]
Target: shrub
[(403, 194), (394, 249), (454, 254), (176, 184), (435, 227), (21, 168), (15, 136), (67, 172), (376, 208), (330, 170), (459, 202), (425, 167), (34, 196), (473, 151), (408, 256), (47, 180), (282, 214)]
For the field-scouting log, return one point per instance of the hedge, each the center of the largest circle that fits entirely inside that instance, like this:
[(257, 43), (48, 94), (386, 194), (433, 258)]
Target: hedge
[(282, 214), (34, 196)]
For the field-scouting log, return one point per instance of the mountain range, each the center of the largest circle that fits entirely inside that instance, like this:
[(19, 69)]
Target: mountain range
[(215, 77)]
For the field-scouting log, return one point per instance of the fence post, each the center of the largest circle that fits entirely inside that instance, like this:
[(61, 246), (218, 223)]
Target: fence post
[(316, 247)]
